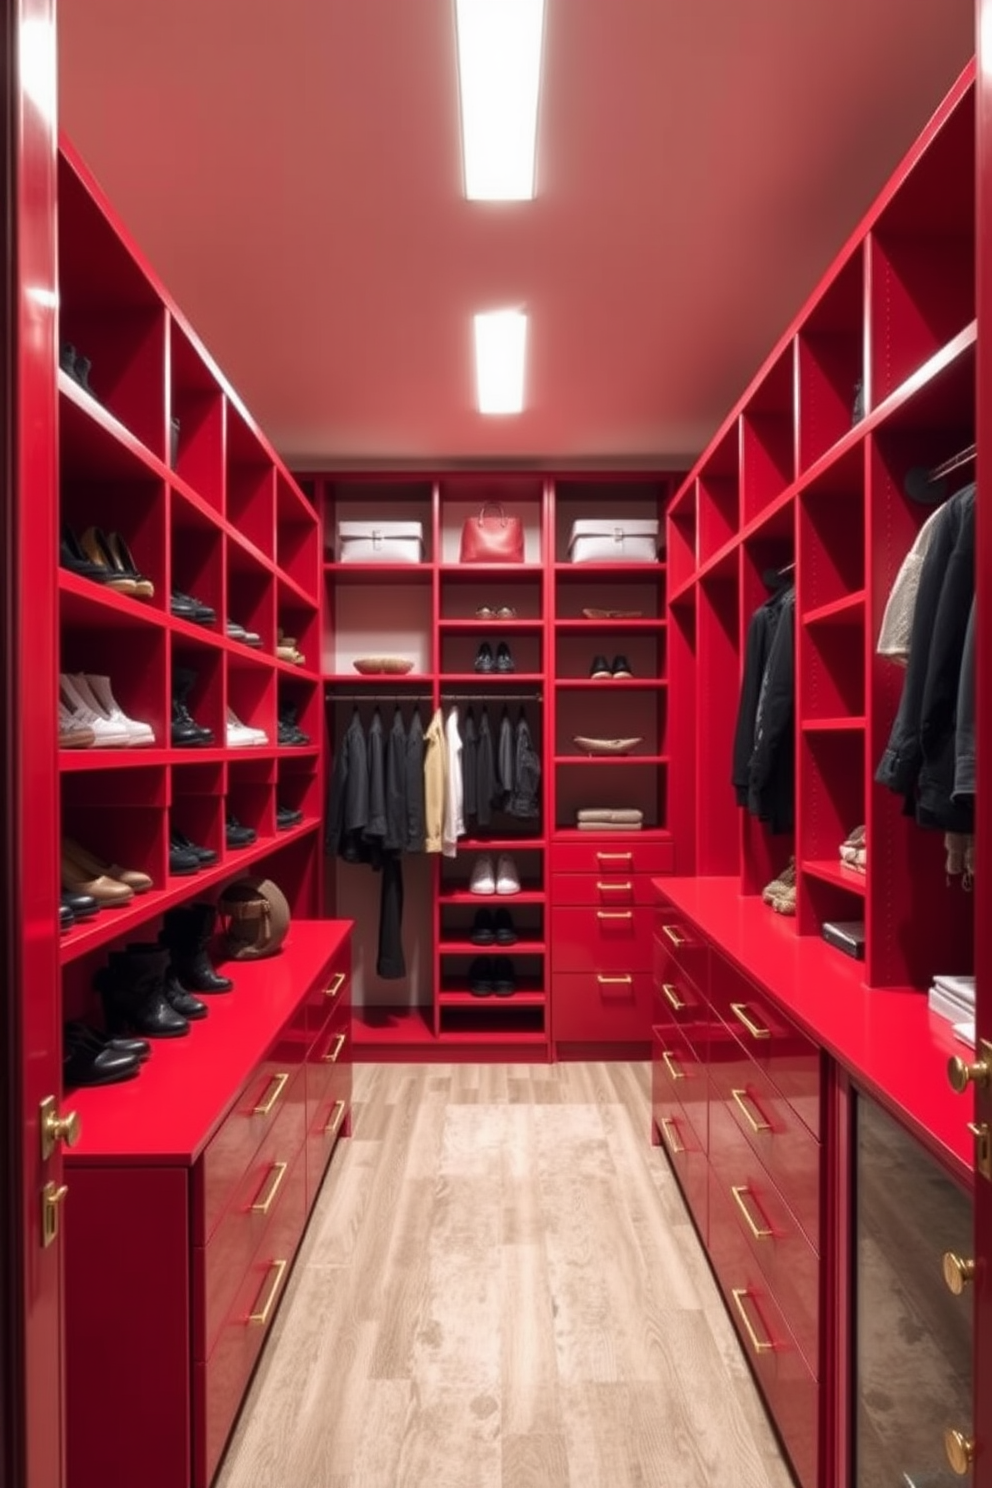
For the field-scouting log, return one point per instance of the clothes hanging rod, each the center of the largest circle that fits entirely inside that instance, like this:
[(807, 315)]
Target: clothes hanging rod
[(786, 568), (927, 486), (369, 696), (491, 697), (963, 457)]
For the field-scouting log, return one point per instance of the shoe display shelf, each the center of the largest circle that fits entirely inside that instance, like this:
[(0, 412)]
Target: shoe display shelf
[(188, 555), (762, 1031)]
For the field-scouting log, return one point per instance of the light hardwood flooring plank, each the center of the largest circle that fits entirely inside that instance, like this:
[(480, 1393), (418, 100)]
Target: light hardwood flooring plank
[(500, 1288)]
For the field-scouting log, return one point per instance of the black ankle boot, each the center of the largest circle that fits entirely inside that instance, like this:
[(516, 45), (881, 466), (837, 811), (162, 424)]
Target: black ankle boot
[(132, 987), (186, 932), (176, 996), (186, 732)]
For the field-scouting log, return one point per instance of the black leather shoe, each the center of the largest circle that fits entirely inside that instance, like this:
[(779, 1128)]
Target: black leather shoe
[(620, 667), (83, 906), (235, 632), (133, 992), (286, 817), (175, 993), (88, 1061), (204, 855), (186, 732), (600, 667), (290, 734), (188, 607), (66, 917), (187, 932), (506, 935), (504, 661), (140, 1048), (182, 861), (483, 933), (504, 977), (72, 557), (480, 977), (237, 835), (484, 660)]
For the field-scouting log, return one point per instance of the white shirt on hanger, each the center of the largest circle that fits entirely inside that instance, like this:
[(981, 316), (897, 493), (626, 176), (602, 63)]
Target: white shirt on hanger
[(454, 793)]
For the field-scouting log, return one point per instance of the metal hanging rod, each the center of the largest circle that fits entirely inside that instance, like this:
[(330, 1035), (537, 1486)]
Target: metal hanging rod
[(491, 697), (369, 696), (928, 486), (956, 462)]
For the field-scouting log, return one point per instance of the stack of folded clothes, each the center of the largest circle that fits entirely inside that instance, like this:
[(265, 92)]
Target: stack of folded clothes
[(609, 819), (953, 997)]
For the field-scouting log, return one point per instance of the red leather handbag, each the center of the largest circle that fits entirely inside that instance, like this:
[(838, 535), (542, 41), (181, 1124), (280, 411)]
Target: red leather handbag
[(492, 537)]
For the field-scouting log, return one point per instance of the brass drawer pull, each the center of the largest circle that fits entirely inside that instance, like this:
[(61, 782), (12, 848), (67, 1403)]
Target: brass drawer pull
[(617, 888), (760, 1125), (672, 997), (261, 1316), (262, 1206), (673, 935), (602, 857), (331, 1129), (336, 984), (671, 1066), (278, 1086), (614, 914), (760, 1345), (739, 1010), (738, 1191), (615, 981), (674, 1145), (339, 1044)]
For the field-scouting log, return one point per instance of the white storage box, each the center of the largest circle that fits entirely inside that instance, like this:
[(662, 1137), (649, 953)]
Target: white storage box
[(614, 540), (380, 542)]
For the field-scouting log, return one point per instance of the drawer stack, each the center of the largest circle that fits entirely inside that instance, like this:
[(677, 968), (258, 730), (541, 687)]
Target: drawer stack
[(601, 918), (737, 1092)]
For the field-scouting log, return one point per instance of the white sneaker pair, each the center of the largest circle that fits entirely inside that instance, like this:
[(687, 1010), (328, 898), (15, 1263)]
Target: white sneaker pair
[(90, 701), (241, 735), (503, 879)]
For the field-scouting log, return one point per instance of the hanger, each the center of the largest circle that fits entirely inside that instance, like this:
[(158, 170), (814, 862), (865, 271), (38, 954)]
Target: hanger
[(929, 487)]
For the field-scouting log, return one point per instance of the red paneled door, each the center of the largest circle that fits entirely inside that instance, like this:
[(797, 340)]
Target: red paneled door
[(979, 1426), (31, 1406)]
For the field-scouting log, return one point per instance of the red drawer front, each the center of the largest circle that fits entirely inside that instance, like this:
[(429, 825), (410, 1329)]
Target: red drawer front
[(790, 1263), (789, 1387), (785, 1146), (791, 1059), (600, 1007), (219, 1384), (687, 948), (219, 1267), (330, 995), (602, 889), (219, 1173), (677, 998), (679, 1076), (685, 1149), (617, 858), (601, 939), (328, 1106)]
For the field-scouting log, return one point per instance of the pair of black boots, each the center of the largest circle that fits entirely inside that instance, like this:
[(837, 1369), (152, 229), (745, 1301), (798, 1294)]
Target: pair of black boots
[(492, 976), (148, 988), (186, 732)]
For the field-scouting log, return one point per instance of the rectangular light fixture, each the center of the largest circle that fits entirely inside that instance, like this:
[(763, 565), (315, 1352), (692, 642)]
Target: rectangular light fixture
[(499, 65), (500, 344)]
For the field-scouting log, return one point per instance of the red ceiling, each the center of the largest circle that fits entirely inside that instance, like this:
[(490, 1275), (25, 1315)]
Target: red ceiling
[(293, 173)]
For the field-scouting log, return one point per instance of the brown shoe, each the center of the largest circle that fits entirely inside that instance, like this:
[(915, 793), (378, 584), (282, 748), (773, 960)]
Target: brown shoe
[(91, 867), (785, 880)]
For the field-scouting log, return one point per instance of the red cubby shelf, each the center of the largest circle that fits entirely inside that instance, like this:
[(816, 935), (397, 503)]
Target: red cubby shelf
[(495, 680), (492, 1003), (636, 626), (834, 725), (479, 901), (384, 1026), (521, 947), (848, 610), (611, 759), (610, 684), (835, 873), (583, 572)]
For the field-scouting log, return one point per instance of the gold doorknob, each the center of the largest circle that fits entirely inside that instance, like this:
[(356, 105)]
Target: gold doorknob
[(962, 1074), (960, 1451), (55, 1128), (957, 1272)]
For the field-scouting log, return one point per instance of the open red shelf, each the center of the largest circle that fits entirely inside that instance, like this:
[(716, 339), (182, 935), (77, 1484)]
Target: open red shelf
[(833, 725), (391, 1025), (520, 947), (849, 610), (835, 873), (491, 1003)]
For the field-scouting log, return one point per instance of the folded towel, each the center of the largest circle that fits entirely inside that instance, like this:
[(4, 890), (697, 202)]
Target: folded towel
[(596, 826), (962, 987), (609, 814)]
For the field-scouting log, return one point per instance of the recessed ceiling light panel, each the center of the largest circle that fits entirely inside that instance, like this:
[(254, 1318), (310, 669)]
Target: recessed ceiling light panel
[(499, 65), (500, 346)]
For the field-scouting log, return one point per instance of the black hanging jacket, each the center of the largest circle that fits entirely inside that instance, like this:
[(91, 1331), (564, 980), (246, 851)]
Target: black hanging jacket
[(771, 783), (526, 773), (348, 808)]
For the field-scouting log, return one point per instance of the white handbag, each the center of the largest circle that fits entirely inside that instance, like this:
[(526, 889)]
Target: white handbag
[(614, 540)]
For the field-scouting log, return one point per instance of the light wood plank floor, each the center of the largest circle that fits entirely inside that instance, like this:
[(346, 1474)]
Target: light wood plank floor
[(500, 1288)]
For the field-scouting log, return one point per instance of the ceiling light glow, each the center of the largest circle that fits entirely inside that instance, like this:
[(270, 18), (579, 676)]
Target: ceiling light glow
[(499, 66), (500, 344)]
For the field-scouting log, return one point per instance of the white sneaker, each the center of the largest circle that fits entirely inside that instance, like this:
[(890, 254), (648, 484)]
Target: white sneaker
[(139, 735), (242, 735), (483, 879), (81, 704), (507, 877)]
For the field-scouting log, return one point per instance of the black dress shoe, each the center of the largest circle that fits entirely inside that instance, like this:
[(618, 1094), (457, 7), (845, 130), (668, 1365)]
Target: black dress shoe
[(238, 835), (182, 861), (287, 816), (88, 1061), (82, 906), (600, 667), (188, 607), (66, 917), (506, 935), (133, 992), (138, 1047), (504, 661), (483, 933), (235, 632), (620, 667), (290, 734), (72, 557), (484, 660), (504, 977), (480, 977), (204, 855)]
